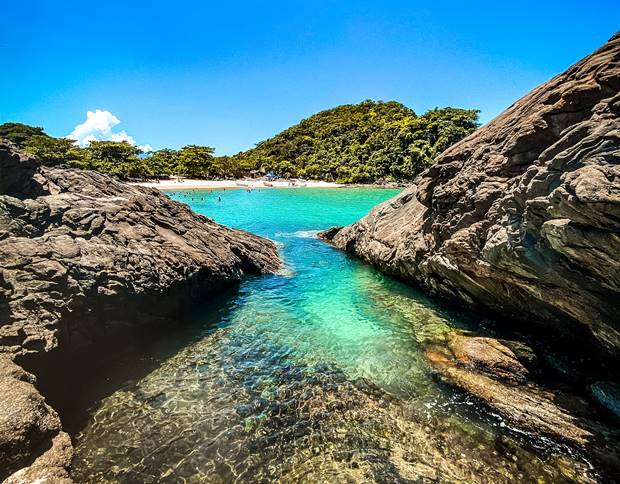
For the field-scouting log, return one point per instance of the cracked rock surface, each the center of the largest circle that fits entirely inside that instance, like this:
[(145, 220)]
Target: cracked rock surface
[(523, 216), (70, 239)]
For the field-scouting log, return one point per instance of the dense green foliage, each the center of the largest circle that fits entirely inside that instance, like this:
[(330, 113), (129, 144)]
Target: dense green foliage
[(18, 133), (364, 142), (114, 157), (54, 151), (361, 143)]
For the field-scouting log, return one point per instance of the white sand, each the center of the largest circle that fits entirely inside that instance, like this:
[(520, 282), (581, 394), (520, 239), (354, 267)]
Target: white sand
[(189, 184)]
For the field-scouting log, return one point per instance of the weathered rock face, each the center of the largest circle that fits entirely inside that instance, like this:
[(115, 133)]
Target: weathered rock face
[(73, 240), (29, 427), (74, 247), (523, 216)]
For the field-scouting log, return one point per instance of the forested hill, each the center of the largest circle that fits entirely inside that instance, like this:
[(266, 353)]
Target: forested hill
[(365, 142), (362, 142)]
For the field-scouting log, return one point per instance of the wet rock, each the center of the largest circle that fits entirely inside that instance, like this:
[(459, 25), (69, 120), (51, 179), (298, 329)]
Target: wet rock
[(330, 233), (316, 428), (523, 216), (608, 395), (522, 352), (489, 356), (490, 371)]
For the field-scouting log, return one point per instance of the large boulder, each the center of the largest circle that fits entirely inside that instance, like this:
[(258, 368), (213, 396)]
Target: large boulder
[(78, 250), (77, 240), (523, 216)]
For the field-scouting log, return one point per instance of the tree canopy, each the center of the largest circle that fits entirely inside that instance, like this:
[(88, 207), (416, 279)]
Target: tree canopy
[(54, 151), (363, 142), (18, 133)]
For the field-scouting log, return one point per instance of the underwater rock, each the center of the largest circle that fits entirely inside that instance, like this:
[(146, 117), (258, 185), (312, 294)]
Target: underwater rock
[(523, 216), (608, 395), (491, 372)]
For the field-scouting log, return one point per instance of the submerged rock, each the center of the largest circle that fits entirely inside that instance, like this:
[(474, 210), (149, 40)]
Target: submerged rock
[(79, 246), (523, 216), (274, 419), (608, 395), (491, 371)]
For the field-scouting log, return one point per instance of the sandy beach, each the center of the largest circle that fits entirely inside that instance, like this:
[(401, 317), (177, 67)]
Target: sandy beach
[(189, 184)]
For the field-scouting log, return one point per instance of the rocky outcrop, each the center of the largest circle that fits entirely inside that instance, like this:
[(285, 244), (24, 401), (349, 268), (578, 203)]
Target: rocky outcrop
[(493, 357), (503, 374), (73, 240), (492, 371), (77, 249), (523, 216)]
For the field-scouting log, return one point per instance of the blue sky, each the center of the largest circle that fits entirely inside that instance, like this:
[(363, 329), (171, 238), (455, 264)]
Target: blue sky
[(229, 74)]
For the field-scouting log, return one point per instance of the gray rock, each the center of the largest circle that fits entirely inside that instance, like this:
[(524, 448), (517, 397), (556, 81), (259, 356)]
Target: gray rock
[(76, 246), (523, 216), (79, 239)]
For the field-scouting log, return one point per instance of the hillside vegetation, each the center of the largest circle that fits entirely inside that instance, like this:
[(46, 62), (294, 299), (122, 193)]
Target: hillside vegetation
[(361, 143), (365, 142)]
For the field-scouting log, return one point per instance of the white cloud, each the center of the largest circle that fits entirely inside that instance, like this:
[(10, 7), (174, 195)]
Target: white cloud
[(98, 127), (122, 136)]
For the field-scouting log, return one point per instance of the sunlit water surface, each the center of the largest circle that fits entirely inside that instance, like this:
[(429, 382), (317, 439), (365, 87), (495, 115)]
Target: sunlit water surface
[(314, 375)]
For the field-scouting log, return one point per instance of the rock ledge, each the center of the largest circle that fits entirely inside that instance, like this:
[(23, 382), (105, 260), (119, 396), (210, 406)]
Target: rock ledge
[(78, 246)]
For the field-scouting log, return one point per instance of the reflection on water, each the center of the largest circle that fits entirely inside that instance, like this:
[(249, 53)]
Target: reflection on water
[(315, 375)]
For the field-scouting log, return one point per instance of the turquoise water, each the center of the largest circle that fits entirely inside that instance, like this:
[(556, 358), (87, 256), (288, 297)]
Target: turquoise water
[(316, 374)]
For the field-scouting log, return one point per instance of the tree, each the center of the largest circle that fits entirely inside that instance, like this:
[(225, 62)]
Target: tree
[(196, 161), (116, 157), (163, 162), (19, 133), (363, 142), (449, 125), (54, 151)]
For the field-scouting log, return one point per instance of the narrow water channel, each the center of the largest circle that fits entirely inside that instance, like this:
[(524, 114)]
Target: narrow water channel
[(313, 375)]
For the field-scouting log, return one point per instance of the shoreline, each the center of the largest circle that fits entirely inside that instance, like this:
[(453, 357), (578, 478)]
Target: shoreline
[(195, 184)]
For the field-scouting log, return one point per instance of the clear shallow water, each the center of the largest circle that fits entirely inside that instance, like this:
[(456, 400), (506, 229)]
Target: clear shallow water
[(313, 375)]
